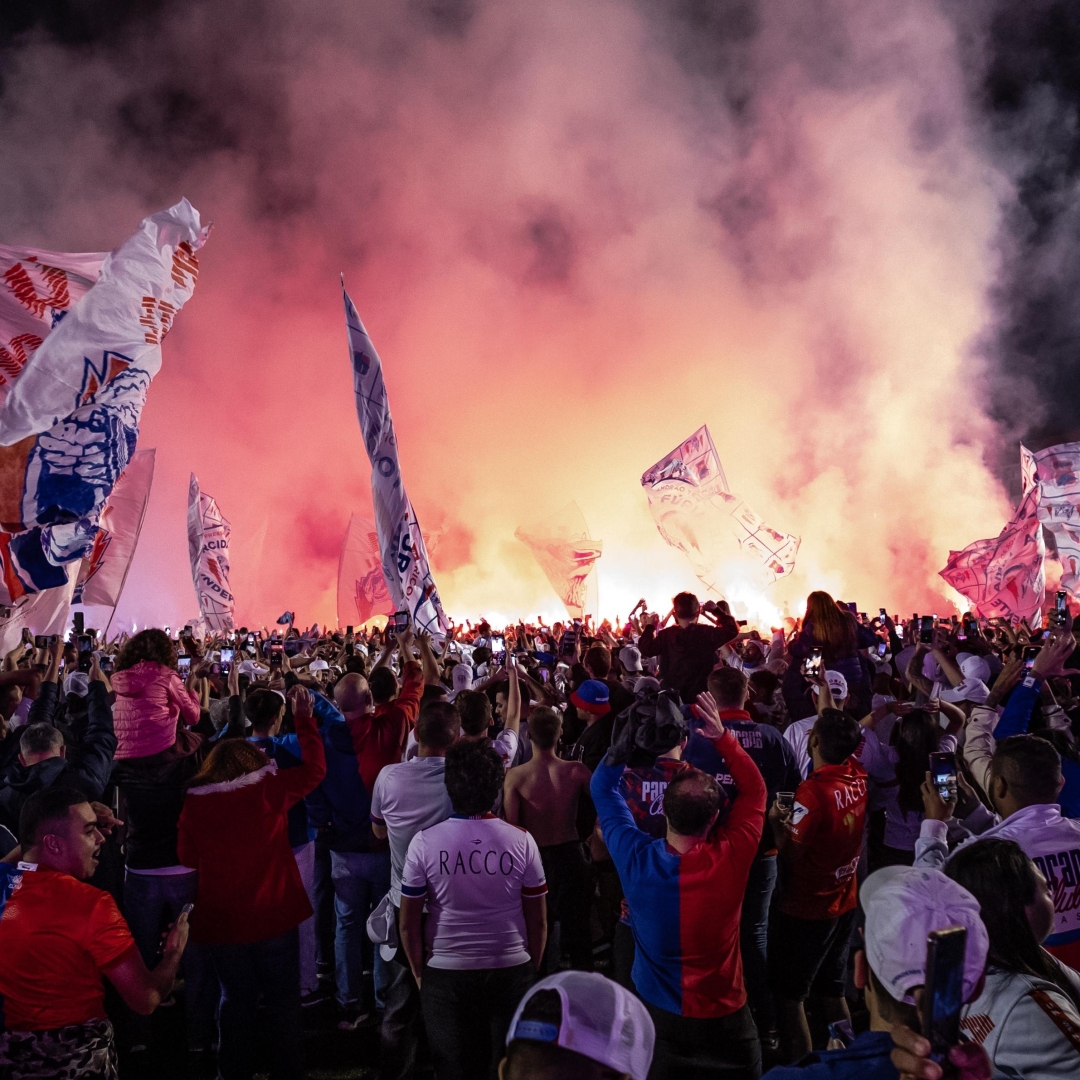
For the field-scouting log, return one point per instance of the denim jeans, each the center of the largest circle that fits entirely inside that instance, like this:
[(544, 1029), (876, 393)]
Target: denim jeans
[(361, 880), (305, 863), (323, 903), (402, 1030), (754, 940), (266, 971), (151, 902), (467, 1015)]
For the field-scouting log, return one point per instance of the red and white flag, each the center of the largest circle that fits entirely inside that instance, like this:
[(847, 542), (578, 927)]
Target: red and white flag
[(567, 555), (104, 571), (208, 547), (361, 589)]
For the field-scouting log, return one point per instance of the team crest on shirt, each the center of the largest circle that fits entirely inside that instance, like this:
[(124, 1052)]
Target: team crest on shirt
[(798, 812)]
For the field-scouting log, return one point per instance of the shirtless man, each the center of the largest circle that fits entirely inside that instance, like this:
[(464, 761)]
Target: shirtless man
[(542, 796)]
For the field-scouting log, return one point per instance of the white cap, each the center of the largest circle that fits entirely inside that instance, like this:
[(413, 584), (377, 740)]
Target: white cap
[(837, 685), (630, 657), (78, 683), (903, 905), (318, 664), (249, 667), (597, 1019), (462, 676), (969, 690)]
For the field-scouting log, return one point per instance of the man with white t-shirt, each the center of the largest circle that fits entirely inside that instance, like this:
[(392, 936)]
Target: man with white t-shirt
[(408, 797), (483, 883)]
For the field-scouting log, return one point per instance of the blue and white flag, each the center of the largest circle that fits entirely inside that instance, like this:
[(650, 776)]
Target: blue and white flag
[(70, 419), (401, 545), (208, 549)]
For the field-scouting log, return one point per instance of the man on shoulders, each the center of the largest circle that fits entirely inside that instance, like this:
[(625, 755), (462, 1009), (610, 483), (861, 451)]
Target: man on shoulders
[(687, 650), (543, 796), (58, 937)]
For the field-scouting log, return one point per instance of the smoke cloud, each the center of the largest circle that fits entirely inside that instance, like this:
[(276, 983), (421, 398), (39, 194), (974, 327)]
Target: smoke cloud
[(576, 231)]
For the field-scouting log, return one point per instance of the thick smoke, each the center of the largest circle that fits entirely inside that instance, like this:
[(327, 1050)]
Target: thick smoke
[(576, 231)]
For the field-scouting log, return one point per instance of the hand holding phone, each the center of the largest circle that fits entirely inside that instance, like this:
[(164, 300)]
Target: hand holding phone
[(943, 775), (943, 993)]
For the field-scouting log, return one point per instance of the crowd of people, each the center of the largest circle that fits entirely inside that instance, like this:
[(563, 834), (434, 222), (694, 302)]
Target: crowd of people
[(659, 848)]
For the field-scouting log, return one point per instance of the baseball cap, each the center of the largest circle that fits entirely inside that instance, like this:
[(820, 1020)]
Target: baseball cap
[(903, 905), (78, 683), (592, 696), (630, 658), (837, 685), (976, 672), (249, 667), (318, 664), (646, 684), (592, 1016)]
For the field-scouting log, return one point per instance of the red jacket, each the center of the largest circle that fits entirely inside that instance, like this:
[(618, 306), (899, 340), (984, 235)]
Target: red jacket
[(379, 738), (236, 834)]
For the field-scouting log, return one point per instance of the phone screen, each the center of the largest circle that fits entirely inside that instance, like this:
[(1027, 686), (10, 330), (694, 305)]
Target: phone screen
[(943, 774), (944, 994), (498, 648), (926, 629), (276, 653), (227, 656), (183, 665), (1030, 652), (812, 664), (881, 648), (348, 629), (401, 622)]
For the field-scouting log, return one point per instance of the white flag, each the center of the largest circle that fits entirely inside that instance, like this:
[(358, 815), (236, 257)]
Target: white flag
[(404, 556), (694, 512), (567, 555), (104, 570), (69, 420), (361, 589), (41, 613), (1056, 472), (208, 548)]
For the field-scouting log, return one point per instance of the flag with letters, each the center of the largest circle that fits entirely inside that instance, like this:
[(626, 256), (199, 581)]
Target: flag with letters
[(208, 548), (71, 403), (403, 553)]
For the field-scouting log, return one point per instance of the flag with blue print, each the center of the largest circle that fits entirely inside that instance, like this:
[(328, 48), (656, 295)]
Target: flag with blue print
[(208, 548), (69, 420), (401, 545)]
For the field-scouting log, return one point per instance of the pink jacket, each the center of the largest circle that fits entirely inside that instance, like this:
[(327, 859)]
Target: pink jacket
[(149, 699)]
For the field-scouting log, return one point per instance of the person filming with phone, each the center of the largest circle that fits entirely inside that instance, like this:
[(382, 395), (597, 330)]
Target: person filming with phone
[(58, 936)]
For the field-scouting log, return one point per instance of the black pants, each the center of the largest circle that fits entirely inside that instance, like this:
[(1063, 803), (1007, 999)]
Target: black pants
[(401, 1032), (724, 1048), (467, 1014), (569, 903)]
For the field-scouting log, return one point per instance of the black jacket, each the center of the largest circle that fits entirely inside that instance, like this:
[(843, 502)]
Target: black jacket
[(687, 655), (86, 767)]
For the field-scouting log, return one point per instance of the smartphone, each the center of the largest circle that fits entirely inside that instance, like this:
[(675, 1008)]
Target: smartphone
[(882, 648), (401, 622), (348, 629), (77, 622), (187, 909), (545, 675), (943, 995), (926, 629), (943, 774), (498, 649), (183, 665), (1060, 613), (41, 641), (1030, 652), (85, 643), (812, 664), (882, 614), (227, 657), (276, 654), (251, 639), (740, 622), (106, 664)]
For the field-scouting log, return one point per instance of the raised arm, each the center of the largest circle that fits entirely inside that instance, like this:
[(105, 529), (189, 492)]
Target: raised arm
[(290, 785), (185, 699), (914, 674), (512, 721), (428, 660)]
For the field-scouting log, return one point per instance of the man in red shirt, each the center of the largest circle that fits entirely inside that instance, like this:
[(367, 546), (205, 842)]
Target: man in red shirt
[(58, 936), (379, 717), (820, 840)]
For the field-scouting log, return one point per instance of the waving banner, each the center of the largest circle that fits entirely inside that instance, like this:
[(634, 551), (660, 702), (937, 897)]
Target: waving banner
[(404, 557), (1057, 477), (104, 570), (40, 613), (1003, 577), (361, 587), (208, 548), (69, 419), (568, 557), (694, 512)]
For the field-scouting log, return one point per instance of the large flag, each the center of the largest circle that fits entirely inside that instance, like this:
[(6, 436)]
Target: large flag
[(1003, 577), (694, 512), (1057, 477), (361, 587), (404, 556), (208, 548), (41, 613), (567, 555), (105, 569), (69, 420)]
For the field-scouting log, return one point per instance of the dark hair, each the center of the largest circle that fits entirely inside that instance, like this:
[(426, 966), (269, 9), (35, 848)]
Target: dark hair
[(690, 801), (916, 737), (474, 708), (153, 645), (896, 1012), (383, 684), (686, 605), (44, 807), (262, 708), (598, 660), (355, 665), (527, 1059), (1003, 879), (544, 726), (39, 739), (474, 774), (728, 687), (834, 630), (764, 684), (1031, 767), (838, 736), (230, 759), (1062, 742), (438, 725)]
